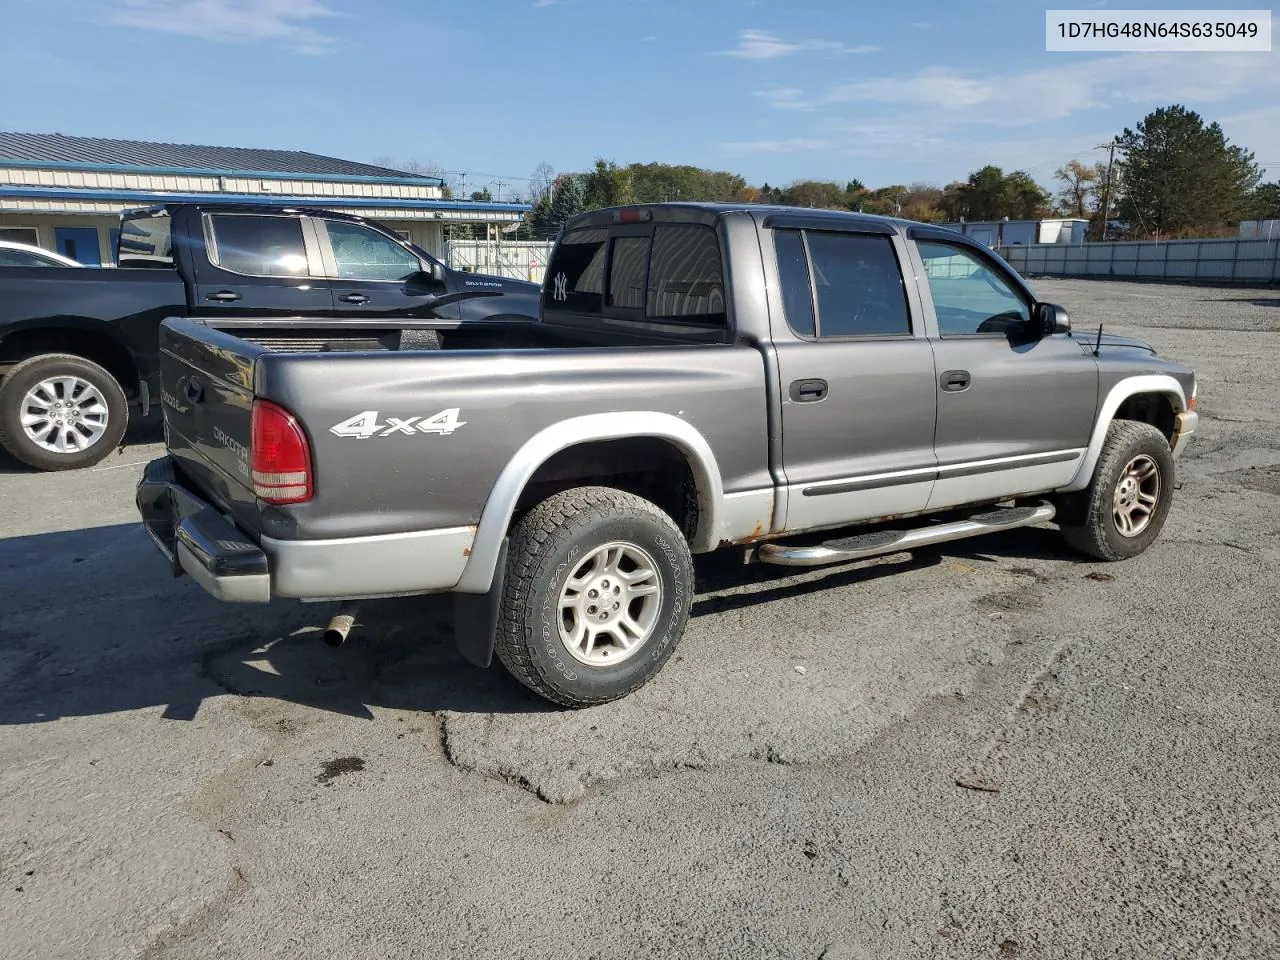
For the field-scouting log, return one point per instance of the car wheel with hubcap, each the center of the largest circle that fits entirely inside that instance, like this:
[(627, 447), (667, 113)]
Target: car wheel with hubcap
[(61, 412), (598, 589), (1125, 506)]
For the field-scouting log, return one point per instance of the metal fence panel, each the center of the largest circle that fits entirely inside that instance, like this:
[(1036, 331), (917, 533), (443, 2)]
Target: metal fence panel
[(1214, 260), (523, 260)]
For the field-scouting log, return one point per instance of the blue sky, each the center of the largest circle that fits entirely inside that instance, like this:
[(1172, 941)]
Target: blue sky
[(888, 92)]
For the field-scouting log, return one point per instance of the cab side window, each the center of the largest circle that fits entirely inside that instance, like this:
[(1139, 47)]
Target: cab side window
[(970, 297), (365, 254)]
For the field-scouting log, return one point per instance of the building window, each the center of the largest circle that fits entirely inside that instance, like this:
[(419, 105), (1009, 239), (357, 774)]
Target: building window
[(29, 235)]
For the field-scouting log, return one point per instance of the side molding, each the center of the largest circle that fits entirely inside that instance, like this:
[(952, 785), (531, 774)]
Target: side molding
[(1122, 391), (501, 504)]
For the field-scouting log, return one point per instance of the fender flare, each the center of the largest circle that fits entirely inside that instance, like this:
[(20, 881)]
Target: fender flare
[(1122, 391), (477, 577)]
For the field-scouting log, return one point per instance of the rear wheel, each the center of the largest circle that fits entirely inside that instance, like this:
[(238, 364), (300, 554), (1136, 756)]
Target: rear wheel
[(61, 412), (599, 584), (1126, 505)]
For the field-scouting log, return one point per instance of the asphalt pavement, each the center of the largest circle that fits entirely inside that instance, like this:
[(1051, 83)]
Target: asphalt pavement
[(990, 749)]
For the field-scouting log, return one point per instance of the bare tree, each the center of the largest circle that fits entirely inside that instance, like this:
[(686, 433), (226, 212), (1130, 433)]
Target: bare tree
[(544, 175), (1081, 182)]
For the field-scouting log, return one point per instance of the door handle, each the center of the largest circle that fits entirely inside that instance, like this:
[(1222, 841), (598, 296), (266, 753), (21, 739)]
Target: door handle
[(955, 380), (354, 298), (808, 391), (225, 296)]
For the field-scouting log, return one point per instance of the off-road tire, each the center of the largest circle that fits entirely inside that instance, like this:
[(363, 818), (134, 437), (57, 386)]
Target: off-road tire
[(544, 546), (1087, 521), (27, 374)]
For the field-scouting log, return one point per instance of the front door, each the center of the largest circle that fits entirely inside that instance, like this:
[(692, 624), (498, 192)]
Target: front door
[(374, 276), (79, 243), (260, 265), (856, 372), (1015, 409)]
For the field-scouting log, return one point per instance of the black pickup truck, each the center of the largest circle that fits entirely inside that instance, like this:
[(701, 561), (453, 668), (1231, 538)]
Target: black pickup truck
[(79, 347)]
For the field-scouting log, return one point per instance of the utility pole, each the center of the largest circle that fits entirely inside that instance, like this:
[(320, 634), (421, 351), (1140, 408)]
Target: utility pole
[(1106, 190)]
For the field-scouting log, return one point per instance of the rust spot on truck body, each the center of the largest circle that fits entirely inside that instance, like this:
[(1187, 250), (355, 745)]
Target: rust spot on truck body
[(759, 532)]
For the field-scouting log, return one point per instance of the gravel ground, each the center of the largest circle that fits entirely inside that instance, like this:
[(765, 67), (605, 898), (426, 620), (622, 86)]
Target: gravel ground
[(182, 779)]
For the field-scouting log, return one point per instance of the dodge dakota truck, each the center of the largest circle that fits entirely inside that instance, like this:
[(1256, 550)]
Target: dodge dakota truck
[(79, 347), (808, 387)]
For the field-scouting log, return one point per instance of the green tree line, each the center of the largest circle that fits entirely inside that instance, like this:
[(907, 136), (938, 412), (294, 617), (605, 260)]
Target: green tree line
[(1173, 175)]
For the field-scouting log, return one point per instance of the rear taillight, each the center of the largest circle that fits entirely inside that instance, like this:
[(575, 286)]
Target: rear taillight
[(279, 455)]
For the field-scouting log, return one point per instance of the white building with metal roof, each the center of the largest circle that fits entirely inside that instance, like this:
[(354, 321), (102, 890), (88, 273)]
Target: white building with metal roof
[(66, 193)]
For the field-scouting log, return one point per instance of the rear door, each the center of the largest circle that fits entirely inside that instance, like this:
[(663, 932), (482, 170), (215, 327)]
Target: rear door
[(856, 373), (1015, 409), (374, 275), (259, 265)]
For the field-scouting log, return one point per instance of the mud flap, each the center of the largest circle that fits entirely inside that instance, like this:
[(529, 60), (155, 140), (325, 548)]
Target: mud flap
[(475, 615)]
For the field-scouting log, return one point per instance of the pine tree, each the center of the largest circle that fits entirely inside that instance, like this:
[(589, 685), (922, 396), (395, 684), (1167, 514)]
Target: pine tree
[(566, 201), (1181, 176)]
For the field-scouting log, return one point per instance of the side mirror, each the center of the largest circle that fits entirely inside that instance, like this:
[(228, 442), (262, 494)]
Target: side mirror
[(1052, 319), (436, 269)]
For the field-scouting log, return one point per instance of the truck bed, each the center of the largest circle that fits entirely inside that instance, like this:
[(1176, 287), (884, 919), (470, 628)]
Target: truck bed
[(491, 386)]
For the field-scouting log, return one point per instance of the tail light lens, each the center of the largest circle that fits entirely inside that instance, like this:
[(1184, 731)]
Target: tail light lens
[(279, 456)]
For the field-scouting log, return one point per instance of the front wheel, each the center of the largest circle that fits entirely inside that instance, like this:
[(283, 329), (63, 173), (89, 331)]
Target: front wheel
[(598, 589), (61, 412), (1126, 504)]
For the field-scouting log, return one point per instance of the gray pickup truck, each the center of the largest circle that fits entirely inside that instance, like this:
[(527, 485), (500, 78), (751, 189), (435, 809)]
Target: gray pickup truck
[(808, 387)]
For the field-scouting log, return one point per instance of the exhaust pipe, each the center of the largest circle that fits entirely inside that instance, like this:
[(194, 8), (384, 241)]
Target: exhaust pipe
[(336, 633)]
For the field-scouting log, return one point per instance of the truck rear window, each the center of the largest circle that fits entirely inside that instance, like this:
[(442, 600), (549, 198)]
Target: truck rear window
[(145, 242), (669, 273)]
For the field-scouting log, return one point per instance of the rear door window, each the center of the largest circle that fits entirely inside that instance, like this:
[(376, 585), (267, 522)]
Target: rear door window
[(841, 285), (258, 246), (797, 288), (25, 258)]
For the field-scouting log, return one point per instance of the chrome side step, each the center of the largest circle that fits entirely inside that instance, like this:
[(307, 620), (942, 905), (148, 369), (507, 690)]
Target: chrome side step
[(891, 541)]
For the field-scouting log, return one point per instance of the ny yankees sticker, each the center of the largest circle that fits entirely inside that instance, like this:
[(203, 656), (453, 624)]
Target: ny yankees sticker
[(561, 287)]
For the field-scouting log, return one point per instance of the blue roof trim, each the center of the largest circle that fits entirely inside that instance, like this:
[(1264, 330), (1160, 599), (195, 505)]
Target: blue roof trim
[(155, 197), (423, 181)]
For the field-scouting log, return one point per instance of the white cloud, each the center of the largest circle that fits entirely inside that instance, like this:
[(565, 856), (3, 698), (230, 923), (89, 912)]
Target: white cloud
[(794, 145), (785, 98), (545, 3), (940, 122), (946, 97), (922, 25), (284, 22), (761, 45)]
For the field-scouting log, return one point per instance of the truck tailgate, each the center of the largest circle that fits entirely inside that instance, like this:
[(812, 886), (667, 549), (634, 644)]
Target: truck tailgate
[(206, 382)]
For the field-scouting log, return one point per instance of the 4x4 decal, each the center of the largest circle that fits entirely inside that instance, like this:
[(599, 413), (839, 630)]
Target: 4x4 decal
[(365, 425)]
